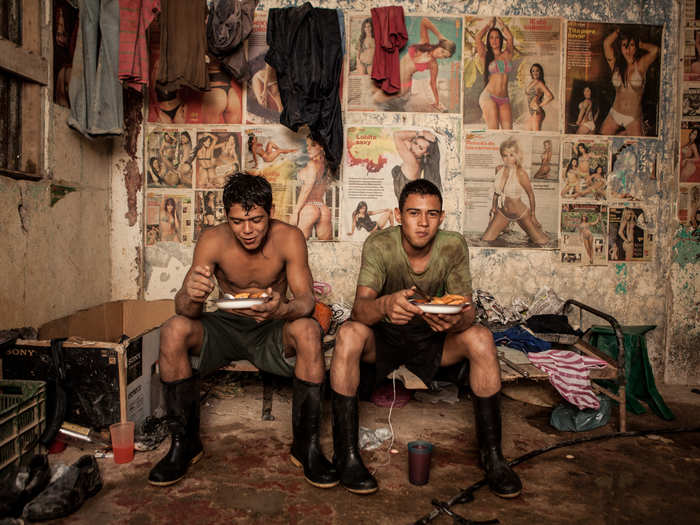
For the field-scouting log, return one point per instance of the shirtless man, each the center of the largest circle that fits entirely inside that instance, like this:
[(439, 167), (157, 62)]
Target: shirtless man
[(389, 330), (249, 253), (311, 211)]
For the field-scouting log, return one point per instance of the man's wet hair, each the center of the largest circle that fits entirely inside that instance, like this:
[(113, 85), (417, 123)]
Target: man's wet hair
[(248, 191), (419, 187)]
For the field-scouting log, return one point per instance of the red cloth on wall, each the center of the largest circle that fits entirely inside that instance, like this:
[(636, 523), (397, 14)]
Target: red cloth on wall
[(390, 36), (134, 18)]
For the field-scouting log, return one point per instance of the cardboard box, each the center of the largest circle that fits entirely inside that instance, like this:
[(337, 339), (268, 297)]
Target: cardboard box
[(107, 380)]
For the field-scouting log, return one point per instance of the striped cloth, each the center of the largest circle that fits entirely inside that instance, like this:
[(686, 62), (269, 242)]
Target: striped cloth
[(568, 373), (134, 18)]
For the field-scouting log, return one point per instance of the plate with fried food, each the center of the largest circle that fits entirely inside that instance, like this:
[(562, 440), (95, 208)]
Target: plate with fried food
[(241, 300), (447, 304)]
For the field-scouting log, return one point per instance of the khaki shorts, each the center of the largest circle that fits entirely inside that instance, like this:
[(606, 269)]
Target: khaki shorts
[(230, 337)]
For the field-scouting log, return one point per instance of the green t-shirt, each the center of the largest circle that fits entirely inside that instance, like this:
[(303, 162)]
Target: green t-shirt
[(385, 268)]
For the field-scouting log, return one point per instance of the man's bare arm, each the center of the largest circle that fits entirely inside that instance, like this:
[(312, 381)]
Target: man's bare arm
[(298, 277), (199, 281), (369, 309)]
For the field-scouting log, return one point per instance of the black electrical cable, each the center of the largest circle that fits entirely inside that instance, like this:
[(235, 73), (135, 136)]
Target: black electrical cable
[(467, 495)]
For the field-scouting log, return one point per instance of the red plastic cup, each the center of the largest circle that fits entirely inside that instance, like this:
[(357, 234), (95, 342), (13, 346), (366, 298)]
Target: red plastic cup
[(419, 454), (122, 441)]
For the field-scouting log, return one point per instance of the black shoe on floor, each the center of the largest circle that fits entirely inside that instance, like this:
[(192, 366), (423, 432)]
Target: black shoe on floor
[(19, 488), (67, 492)]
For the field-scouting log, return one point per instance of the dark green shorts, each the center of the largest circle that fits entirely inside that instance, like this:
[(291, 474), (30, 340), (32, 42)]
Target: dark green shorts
[(230, 337)]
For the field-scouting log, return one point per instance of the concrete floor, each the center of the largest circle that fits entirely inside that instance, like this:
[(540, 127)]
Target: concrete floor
[(246, 476)]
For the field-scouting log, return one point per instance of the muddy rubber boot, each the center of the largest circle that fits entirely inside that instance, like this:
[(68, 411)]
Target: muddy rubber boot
[(502, 480), (182, 405), (354, 476), (306, 426)]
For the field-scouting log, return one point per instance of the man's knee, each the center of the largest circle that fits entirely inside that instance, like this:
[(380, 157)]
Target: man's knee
[(478, 342), (350, 340), (305, 334), (176, 334)]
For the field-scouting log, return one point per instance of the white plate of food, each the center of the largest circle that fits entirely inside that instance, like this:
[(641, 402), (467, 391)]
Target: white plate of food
[(230, 302), (447, 304), (431, 308)]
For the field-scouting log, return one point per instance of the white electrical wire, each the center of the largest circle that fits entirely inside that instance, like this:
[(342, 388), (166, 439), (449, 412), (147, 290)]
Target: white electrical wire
[(391, 428)]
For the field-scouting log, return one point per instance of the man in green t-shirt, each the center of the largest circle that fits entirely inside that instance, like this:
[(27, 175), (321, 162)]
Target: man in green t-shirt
[(388, 329)]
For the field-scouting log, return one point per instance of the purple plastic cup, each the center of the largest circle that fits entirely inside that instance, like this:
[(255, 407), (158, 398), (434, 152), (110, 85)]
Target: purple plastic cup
[(419, 454)]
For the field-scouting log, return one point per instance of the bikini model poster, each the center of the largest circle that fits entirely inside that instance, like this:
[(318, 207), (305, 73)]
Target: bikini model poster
[(612, 79), (263, 101), (379, 161), (218, 155), (512, 73), (584, 233), (168, 218), (430, 67), (584, 170), (221, 104), (501, 192), (168, 157), (630, 237), (208, 210), (305, 192)]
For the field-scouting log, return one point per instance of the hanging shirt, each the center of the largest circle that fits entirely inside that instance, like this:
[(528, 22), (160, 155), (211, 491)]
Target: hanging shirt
[(183, 45), (305, 51), (134, 18), (390, 36), (229, 24)]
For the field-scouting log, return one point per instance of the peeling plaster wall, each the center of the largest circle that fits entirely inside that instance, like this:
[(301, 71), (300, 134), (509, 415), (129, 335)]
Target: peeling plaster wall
[(56, 258), (663, 292)]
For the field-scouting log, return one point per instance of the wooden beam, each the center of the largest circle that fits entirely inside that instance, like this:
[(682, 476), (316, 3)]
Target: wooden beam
[(24, 63)]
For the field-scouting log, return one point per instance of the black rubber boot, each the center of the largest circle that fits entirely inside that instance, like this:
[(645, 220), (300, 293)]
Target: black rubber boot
[(182, 404), (354, 476), (501, 479), (306, 427)]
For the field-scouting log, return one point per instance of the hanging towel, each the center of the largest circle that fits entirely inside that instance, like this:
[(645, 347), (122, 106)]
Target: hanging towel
[(569, 373), (390, 36)]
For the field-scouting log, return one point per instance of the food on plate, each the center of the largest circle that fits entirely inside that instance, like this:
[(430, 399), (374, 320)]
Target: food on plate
[(248, 295), (448, 299)]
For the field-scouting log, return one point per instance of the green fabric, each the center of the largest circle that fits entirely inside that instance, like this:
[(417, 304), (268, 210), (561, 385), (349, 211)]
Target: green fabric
[(640, 377), (385, 268), (230, 337)]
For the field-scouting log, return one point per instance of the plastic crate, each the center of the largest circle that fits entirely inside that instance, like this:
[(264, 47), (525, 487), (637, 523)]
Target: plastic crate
[(22, 420)]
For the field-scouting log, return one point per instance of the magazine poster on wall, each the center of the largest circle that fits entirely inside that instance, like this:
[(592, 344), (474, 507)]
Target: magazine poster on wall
[(218, 155), (633, 169), (379, 161), (208, 211), (689, 206), (169, 158), (305, 191), (612, 79), (630, 235), (585, 166), (221, 103), (169, 218), (512, 73), (429, 67), (584, 234), (263, 100), (505, 205), (690, 152)]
